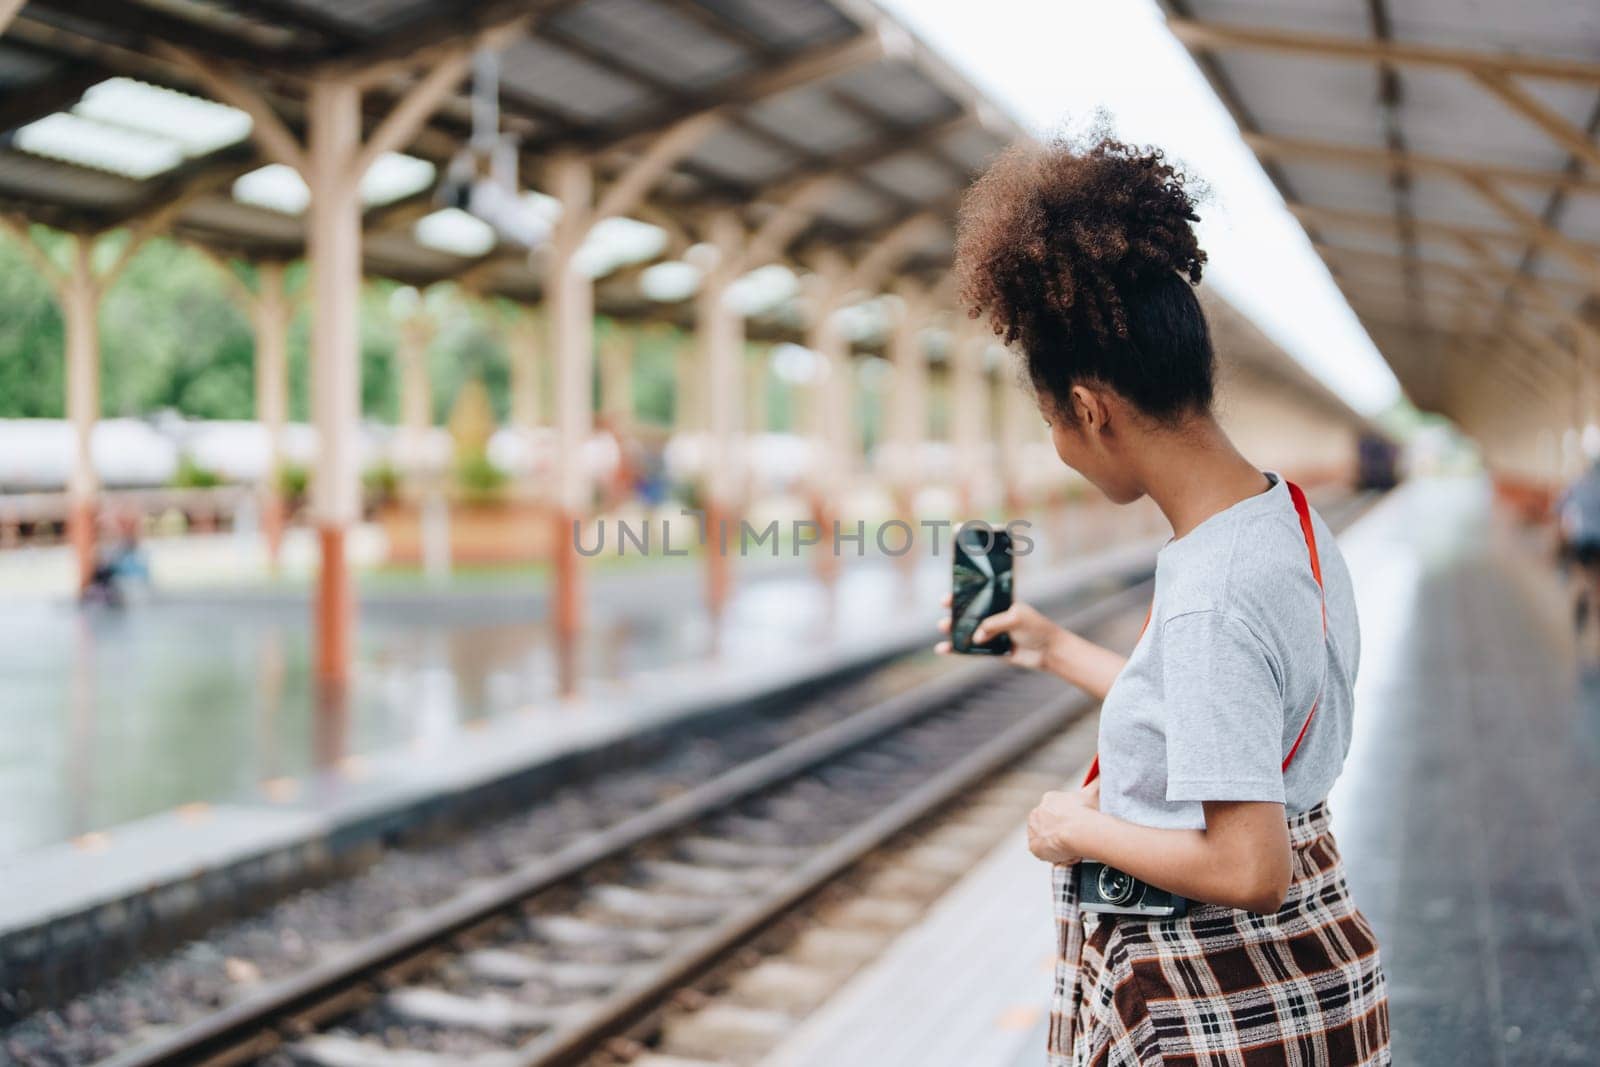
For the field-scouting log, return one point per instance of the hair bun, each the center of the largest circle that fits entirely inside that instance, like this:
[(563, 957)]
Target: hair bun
[(1064, 233)]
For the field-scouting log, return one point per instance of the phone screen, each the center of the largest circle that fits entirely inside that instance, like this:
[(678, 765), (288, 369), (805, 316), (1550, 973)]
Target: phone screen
[(982, 588)]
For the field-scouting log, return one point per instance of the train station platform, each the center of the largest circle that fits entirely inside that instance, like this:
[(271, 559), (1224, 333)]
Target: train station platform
[(1466, 814), (440, 730)]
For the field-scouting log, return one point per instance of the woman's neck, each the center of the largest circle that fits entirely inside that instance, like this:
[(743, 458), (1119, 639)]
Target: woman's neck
[(1194, 472)]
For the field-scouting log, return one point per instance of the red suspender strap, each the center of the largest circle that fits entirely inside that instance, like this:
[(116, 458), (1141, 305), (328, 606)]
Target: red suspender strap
[(1303, 510)]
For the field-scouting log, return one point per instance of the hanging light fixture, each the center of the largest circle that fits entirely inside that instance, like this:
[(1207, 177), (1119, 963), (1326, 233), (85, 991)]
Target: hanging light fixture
[(482, 177)]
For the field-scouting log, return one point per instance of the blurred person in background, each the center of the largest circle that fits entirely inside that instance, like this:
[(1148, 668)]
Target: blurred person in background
[(119, 562), (1578, 541), (1222, 733)]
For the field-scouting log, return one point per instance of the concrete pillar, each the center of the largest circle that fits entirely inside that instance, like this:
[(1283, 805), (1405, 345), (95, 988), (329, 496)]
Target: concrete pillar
[(757, 378), (687, 407), (571, 312), (966, 410), (80, 310), (334, 244), (417, 330), (1017, 417), (828, 405), (719, 338), (272, 312), (908, 403), (616, 376)]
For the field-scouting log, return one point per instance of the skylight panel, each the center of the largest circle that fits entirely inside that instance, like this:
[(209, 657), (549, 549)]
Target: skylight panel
[(617, 242), (670, 282), (87, 143), (275, 187), (456, 232), (394, 176), (763, 289), (198, 126), (280, 188)]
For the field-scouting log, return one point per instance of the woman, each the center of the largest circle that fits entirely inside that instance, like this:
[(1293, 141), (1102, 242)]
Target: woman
[(1221, 735)]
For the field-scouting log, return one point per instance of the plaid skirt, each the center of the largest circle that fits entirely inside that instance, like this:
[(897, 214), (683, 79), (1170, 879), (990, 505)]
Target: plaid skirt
[(1222, 986)]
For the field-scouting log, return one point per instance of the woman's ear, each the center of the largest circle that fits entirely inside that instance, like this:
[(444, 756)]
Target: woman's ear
[(1090, 410)]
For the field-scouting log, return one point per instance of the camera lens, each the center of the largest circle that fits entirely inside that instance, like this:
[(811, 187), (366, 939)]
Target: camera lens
[(1115, 886)]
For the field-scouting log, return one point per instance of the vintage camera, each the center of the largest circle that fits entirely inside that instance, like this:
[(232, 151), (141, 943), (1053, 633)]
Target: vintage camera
[(1108, 890)]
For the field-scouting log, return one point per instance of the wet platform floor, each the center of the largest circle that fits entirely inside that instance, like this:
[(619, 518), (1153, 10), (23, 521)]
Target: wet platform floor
[(1468, 814), (110, 716)]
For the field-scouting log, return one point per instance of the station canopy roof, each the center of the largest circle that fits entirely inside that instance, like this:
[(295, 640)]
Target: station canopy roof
[(1441, 154), (102, 123)]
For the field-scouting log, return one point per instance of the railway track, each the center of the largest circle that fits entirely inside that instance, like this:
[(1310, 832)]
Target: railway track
[(546, 963)]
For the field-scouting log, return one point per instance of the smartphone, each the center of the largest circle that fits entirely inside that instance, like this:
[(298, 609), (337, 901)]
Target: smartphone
[(982, 587)]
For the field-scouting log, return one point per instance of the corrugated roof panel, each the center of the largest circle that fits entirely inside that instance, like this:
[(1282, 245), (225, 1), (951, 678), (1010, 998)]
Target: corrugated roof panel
[(972, 146), (19, 68), (1444, 250), (400, 254), (570, 85), (365, 17), (786, 24), (742, 157), (1323, 16), (806, 117), (1340, 187), (852, 205), (1444, 113), (898, 92), (915, 174), (1581, 219), (1562, 270), (1300, 97), (1547, 27), (1357, 237), (228, 215), (1447, 200), (651, 37), (59, 183)]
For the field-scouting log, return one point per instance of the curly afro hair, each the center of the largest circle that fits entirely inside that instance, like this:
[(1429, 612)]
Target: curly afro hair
[(1085, 258)]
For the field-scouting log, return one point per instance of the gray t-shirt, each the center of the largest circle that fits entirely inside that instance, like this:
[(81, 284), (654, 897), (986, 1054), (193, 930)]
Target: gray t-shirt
[(1219, 685)]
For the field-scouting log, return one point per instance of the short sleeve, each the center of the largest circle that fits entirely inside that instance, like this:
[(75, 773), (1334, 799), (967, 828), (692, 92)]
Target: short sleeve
[(1224, 710)]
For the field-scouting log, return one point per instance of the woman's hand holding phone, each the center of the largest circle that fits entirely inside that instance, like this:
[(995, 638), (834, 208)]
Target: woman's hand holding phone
[(1039, 643), (1031, 634)]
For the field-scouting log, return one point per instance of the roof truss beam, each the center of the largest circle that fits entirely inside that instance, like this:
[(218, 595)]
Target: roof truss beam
[(1451, 231), (1210, 35), (1360, 156)]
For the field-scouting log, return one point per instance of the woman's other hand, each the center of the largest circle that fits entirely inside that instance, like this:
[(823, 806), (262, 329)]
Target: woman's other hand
[(1054, 824)]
